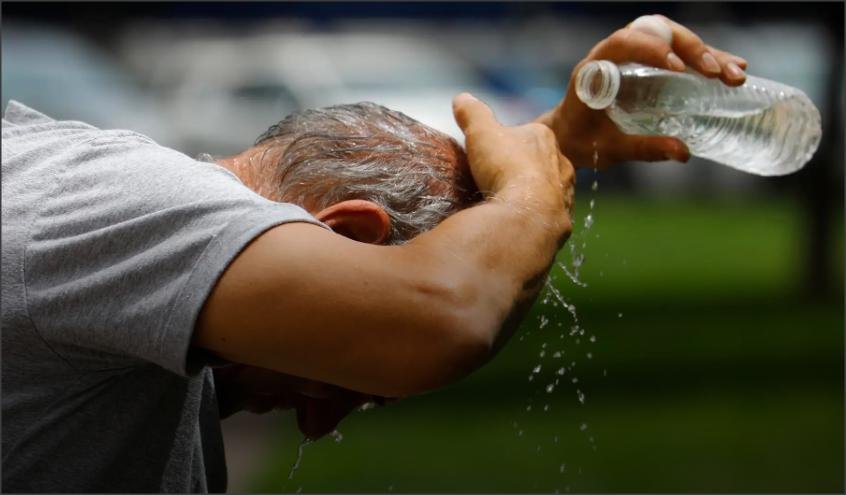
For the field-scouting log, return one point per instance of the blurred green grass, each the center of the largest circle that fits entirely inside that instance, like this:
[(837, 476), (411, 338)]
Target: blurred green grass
[(710, 372)]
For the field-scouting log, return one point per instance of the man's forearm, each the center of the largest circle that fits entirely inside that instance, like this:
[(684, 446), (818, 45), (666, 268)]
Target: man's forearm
[(507, 263)]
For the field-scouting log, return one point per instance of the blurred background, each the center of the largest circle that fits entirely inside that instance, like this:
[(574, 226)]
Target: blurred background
[(708, 355)]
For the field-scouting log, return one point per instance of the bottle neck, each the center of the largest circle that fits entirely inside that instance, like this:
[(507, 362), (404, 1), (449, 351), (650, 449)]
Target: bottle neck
[(598, 83)]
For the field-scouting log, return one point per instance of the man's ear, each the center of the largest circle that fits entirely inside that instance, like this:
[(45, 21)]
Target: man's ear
[(358, 219)]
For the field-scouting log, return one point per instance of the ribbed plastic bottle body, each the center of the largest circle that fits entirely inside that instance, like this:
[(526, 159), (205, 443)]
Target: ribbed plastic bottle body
[(762, 127)]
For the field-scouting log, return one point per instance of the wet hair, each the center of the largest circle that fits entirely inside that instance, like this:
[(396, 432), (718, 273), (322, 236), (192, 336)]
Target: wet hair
[(418, 175)]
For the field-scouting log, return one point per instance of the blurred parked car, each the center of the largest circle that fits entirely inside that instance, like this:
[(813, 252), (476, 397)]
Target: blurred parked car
[(67, 77), (223, 91)]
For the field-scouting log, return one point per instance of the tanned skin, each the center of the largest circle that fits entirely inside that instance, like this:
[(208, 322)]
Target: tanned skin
[(314, 310)]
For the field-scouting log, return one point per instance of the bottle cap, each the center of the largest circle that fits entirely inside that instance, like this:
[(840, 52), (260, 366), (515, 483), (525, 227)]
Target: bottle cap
[(597, 84)]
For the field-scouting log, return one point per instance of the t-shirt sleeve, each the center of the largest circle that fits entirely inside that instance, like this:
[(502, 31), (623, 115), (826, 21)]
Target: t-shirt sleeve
[(128, 245)]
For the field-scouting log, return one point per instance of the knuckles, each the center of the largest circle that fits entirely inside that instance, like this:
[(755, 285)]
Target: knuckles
[(542, 132)]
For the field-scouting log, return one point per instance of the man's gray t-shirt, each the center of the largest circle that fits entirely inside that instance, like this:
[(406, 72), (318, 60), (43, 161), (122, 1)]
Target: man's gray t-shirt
[(111, 244)]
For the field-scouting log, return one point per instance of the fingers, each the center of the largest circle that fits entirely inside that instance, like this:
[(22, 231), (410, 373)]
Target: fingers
[(678, 46), (732, 67), (633, 45), (316, 417), (692, 50), (654, 25), (568, 180), (471, 113), (704, 58), (652, 149)]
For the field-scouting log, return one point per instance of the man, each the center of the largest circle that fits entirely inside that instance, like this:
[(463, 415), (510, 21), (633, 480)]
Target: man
[(346, 256)]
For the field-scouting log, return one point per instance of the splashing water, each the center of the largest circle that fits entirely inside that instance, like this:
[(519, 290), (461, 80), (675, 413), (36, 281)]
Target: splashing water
[(568, 333), (296, 465)]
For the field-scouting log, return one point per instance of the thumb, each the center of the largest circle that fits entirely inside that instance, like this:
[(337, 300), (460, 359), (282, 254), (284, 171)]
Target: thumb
[(470, 112), (653, 149)]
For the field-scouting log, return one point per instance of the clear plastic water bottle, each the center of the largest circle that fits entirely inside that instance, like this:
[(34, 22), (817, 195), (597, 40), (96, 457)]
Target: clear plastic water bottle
[(762, 127)]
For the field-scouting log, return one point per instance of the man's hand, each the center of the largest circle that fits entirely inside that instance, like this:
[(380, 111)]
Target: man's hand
[(520, 163), (320, 406), (650, 40)]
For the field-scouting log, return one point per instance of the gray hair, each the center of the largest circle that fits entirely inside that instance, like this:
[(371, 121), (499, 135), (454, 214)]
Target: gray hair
[(418, 175)]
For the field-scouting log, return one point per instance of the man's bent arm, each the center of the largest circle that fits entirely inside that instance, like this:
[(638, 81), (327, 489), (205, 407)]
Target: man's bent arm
[(397, 320)]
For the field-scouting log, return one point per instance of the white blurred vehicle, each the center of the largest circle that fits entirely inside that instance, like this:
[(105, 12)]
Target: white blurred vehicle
[(224, 91), (66, 77)]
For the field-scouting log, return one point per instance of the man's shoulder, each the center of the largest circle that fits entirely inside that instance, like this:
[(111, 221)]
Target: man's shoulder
[(18, 114)]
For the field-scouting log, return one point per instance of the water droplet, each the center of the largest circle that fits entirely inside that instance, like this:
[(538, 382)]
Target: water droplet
[(545, 407), (575, 380), (555, 439), (557, 354), (519, 433), (543, 346), (539, 448), (528, 408), (536, 369), (543, 321), (390, 488), (562, 468), (589, 221), (299, 489), (542, 354), (583, 427), (604, 372), (531, 377), (592, 202), (337, 436), (589, 355), (590, 439), (580, 396), (550, 388), (594, 186), (592, 338), (619, 315), (561, 371), (577, 261)]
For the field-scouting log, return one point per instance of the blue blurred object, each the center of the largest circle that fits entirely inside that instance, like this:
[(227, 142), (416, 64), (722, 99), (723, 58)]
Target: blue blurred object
[(66, 77)]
